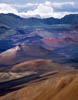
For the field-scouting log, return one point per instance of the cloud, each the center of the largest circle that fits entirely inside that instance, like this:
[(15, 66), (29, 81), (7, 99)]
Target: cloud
[(25, 5), (66, 7), (44, 10), (6, 8), (61, 4), (47, 9)]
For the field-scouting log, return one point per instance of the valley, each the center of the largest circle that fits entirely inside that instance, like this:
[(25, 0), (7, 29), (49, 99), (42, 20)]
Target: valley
[(38, 58)]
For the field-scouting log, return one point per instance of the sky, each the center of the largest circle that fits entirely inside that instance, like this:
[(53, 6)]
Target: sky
[(39, 8)]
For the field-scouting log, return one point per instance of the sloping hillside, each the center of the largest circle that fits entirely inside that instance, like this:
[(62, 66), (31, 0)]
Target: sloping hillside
[(63, 86), (39, 65), (23, 53)]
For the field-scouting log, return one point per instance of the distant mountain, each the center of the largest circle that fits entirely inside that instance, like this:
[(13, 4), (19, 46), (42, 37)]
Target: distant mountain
[(15, 21), (70, 19), (42, 36), (11, 20)]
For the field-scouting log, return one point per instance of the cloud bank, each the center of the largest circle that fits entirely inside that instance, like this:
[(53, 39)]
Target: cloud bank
[(44, 10), (6, 8)]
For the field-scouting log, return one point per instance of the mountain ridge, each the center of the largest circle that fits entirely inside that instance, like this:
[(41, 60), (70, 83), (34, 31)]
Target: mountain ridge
[(14, 21)]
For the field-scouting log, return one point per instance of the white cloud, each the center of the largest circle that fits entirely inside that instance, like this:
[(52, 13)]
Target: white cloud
[(48, 3), (6, 8), (25, 5), (56, 4), (44, 10)]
